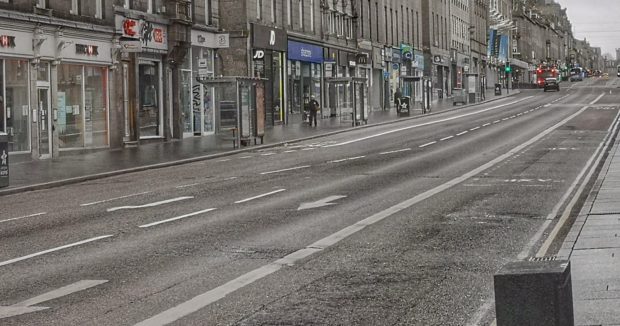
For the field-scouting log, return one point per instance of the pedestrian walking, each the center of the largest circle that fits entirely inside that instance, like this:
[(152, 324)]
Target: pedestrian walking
[(314, 108), (397, 97)]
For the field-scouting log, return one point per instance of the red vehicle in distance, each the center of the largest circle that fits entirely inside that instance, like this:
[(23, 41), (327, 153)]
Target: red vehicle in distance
[(544, 72)]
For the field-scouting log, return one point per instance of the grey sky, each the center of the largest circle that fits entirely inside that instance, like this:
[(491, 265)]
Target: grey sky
[(596, 21)]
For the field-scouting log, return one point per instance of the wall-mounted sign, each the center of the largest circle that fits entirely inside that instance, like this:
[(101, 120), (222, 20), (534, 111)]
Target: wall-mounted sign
[(7, 41), (268, 38), (361, 58), (131, 46), (89, 50), (258, 55), (305, 52), (210, 40), (152, 35)]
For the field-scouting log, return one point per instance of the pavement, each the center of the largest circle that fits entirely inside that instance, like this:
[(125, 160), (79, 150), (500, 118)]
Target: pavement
[(592, 244)]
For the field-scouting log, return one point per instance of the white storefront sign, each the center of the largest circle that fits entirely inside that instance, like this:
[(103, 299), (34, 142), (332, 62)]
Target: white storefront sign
[(210, 40)]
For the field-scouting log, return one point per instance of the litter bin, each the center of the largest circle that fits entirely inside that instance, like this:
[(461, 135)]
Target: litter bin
[(498, 89), (4, 160), (459, 96), (405, 106)]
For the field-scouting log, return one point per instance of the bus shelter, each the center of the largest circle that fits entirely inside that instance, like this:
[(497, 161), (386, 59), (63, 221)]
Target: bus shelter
[(416, 89), (239, 106), (348, 98)]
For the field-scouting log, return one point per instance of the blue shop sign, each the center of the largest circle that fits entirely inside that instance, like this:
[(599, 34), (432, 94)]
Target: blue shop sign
[(305, 52)]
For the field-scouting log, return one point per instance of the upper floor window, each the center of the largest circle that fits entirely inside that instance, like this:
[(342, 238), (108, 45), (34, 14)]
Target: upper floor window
[(259, 9), (42, 4), (208, 12)]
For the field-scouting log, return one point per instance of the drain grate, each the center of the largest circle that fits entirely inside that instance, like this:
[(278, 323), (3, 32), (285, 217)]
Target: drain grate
[(546, 258)]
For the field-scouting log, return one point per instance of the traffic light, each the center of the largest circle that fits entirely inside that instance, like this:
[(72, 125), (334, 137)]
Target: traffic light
[(508, 67)]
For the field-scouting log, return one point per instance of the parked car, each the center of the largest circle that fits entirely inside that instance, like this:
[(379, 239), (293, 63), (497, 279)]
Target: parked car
[(552, 83)]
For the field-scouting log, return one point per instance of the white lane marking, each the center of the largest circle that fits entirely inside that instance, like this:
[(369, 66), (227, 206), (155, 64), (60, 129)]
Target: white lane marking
[(176, 218), (245, 157), (285, 170), (290, 151), (259, 196), (347, 159), (115, 198), (504, 119), (167, 201), (25, 306), (187, 185), (547, 105), (497, 121), (446, 138), (21, 217), (14, 260), (309, 149), (224, 160), (426, 123), (202, 300), (486, 124), (462, 133), (320, 203), (229, 178), (267, 154), (395, 151), (428, 144), (474, 128)]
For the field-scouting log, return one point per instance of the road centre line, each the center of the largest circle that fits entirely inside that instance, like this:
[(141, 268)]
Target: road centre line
[(259, 196), (267, 154), (202, 300), (486, 124), (224, 160), (426, 123), (158, 203), (187, 185), (462, 133), (428, 144), (21, 217), (115, 198), (497, 121), (291, 151), (285, 170), (395, 151), (446, 138), (347, 159), (14, 260), (177, 218), (474, 128)]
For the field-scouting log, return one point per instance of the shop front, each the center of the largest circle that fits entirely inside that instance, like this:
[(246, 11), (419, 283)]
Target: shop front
[(145, 46), (197, 99), (16, 54), (376, 90), (304, 75), (269, 47), (54, 90), (440, 75)]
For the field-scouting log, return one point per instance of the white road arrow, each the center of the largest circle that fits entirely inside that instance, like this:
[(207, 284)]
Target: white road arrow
[(24, 307), (320, 203)]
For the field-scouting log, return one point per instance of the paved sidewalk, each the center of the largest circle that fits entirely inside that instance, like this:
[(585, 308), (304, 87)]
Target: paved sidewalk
[(593, 248), (27, 174)]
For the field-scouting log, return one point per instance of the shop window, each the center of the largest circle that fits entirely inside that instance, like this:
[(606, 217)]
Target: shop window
[(70, 116), (95, 106), (150, 110), (15, 104)]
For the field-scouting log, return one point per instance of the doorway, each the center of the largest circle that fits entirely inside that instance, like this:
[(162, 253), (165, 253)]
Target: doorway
[(45, 123)]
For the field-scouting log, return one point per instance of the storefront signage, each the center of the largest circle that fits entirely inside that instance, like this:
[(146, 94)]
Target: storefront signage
[(305, 52), (437, 59), (210, 40), (152, 35), (361, 58), (258, 55), (406, 51), (377, 58), (131, 46), (387, 54), (396, 55), (89, 50), (268, 38), (7, 41)]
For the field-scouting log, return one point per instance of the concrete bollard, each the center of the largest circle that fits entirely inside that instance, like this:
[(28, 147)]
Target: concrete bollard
[(536, 293)]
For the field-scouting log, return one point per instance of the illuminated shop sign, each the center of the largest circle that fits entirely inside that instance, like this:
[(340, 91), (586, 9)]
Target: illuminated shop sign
[(7, 41), (89, 50)]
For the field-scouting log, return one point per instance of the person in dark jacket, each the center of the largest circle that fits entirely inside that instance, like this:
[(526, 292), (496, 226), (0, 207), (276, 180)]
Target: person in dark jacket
[(397, 96), (314, 108)]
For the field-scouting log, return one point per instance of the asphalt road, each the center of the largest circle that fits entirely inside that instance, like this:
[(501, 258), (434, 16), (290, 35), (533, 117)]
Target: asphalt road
[(398, 224)]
